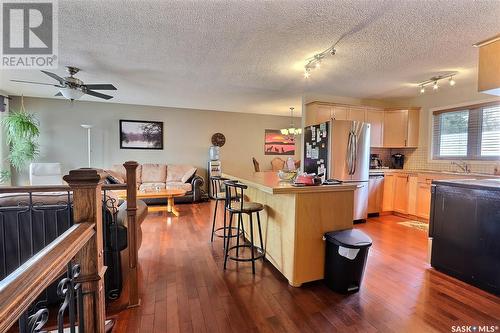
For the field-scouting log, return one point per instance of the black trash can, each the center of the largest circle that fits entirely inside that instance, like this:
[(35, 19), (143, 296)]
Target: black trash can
[(345, 259)]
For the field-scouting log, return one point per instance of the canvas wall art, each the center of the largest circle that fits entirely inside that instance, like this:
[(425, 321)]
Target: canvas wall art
[(276, 143), (140, 134)]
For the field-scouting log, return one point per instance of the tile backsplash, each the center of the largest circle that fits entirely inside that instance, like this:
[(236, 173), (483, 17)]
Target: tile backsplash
[(416, 159)]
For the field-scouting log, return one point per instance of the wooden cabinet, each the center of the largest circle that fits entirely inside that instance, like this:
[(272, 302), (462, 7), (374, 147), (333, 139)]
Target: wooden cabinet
[(357, 113), (317, 113), (401, 128), (424, 200), (388, 195), (375, 118), (375, 191), (401, 193), (340, 112), (412, 194)]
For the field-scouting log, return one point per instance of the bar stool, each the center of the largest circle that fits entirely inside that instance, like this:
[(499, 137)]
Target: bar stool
[(219, 195), (241, 207)]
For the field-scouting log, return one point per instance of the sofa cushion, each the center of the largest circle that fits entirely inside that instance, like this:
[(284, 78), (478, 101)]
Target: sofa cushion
[(120, 169), (154, 173), (180, 185), (176, 172), (151, 186)]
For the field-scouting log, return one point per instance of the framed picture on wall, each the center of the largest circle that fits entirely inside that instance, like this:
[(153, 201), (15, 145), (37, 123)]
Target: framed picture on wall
[(141, 134), (276, 143)]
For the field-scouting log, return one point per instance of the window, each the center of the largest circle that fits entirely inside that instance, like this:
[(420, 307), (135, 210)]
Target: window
[(468, 133)]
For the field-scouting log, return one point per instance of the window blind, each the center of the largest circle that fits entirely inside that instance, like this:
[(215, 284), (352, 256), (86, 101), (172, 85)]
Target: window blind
[(471, 133)]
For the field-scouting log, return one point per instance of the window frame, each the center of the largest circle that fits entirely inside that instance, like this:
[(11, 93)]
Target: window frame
[(474, 137)]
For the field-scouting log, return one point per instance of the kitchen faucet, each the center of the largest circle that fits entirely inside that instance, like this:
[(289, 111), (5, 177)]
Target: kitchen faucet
[(462, 165)]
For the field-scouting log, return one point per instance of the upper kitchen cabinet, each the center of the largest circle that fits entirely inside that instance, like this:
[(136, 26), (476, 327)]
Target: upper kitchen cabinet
[(375, 117), (317, 113), (340, 112), (357, 113), (401, 128)]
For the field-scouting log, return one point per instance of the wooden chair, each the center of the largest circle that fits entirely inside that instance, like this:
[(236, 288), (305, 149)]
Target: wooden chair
[(277, 164), (255, 165)]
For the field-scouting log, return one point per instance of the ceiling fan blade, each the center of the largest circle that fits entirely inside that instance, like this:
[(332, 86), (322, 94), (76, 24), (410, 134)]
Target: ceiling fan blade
[(45, 84), (100, 86), (97, 94), (54, 76), (58, 94)]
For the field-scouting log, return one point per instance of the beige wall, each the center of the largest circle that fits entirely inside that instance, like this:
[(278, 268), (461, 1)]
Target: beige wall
[(186, 141)]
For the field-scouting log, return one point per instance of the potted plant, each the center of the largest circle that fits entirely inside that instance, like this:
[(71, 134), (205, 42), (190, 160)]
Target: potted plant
[(22, 132)]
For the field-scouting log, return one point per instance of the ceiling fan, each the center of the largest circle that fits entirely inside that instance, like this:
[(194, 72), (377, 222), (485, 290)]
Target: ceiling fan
[(73, 88)]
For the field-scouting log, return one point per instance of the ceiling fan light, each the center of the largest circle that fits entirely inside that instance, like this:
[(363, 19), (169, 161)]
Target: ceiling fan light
[(70, 93)]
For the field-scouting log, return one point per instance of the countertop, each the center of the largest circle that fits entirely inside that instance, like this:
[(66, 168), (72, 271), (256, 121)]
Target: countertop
[(486, 184), (435, 172), (269, 182)]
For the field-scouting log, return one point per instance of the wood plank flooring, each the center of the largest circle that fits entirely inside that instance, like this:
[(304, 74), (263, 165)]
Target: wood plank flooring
[(184, 289)]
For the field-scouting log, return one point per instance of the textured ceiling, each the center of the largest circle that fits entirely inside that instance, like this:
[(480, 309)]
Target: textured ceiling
[(247, 56)]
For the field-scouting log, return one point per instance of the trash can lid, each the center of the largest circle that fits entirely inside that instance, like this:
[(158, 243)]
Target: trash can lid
[(350, 238)]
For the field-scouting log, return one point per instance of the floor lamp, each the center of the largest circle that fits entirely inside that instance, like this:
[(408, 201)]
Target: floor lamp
[(88, 127)]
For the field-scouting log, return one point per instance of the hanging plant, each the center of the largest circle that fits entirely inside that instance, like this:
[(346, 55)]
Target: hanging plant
[(22, 132)]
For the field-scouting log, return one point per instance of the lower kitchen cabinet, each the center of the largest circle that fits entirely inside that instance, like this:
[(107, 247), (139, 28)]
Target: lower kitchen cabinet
[(401, 193), (388, 195), (465, 231), (375, 192), (412, 194), (423, 200)]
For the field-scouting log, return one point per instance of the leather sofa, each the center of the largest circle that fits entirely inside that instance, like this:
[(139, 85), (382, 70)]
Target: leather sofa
[(150, 176), (30, 226)]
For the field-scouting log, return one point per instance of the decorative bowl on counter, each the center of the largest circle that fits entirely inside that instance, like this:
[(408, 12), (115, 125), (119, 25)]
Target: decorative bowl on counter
[(287, 175)]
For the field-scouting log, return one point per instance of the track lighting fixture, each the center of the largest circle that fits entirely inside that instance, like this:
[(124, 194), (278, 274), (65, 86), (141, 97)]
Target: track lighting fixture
[(315, 61), (435, 81), (452, 81)]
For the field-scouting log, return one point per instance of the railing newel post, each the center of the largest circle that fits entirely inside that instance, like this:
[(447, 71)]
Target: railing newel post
[(87, 207), (132, 233)]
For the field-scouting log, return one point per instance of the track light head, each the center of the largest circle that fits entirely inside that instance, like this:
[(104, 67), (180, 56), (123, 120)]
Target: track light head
[(422, 89), (452, 81), (435, 86)]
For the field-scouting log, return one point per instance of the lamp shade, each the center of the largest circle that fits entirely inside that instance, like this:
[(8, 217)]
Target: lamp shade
[(70, 93)]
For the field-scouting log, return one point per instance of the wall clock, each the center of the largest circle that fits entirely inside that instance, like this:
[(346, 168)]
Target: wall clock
[(218, 139)]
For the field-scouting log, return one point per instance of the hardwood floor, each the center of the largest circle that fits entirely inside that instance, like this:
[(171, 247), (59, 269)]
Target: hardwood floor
[(184, 289)]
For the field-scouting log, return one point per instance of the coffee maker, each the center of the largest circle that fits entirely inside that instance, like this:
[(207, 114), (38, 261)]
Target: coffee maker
[(397, 161), (375, 161)]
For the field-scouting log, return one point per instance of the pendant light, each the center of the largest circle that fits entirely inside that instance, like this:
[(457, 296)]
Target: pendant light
[(291, 131)]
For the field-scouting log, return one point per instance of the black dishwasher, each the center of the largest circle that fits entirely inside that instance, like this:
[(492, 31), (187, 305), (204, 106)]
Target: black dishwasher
[(465, 230)]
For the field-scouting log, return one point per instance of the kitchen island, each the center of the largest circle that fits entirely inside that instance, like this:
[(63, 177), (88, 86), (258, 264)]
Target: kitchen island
[(295, 219)]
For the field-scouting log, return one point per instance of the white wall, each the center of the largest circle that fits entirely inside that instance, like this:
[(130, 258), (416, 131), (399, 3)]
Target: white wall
[(187, 134)]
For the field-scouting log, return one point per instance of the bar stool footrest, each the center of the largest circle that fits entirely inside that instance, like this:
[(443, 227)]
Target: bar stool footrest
[(227, 233), (259, 250)]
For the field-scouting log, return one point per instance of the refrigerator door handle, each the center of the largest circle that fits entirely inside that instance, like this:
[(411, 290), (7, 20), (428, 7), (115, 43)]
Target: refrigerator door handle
[(351, 153)]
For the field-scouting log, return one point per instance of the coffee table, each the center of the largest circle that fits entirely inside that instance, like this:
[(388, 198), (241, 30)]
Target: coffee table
[(169, 194)]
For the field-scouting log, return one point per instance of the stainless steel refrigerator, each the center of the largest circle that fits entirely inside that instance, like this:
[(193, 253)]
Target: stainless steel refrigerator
[(342, 148)]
